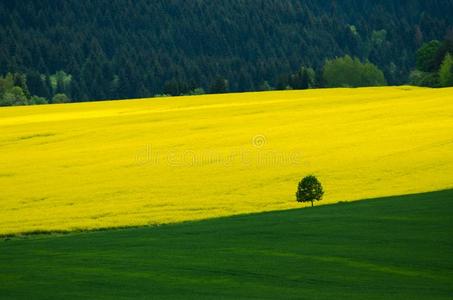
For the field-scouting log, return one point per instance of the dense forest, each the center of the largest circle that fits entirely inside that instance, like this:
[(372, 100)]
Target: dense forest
[(91, 50)]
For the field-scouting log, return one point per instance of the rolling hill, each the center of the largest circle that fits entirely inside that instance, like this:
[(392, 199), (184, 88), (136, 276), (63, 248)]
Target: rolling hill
[(152, 161)]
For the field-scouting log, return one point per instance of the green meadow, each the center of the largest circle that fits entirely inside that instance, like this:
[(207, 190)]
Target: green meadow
[(391, 248)]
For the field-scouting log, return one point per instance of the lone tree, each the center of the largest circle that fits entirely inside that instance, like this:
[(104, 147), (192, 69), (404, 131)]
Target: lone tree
[(309, 190)]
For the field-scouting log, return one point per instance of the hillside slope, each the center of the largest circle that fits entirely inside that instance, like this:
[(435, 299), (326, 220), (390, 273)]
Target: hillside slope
[(394, 248), (122, 163)]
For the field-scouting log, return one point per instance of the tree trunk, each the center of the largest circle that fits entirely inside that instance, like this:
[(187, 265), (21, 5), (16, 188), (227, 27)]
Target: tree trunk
[(311, 203)]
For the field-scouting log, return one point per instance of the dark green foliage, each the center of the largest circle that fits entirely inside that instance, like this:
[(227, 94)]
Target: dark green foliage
[(309, 190), (220, 85), (177, 87), (303, 79), (36, 100), (393, 248), (6, 83), (14, 96), (196, 91), (14, 89), (20, 81), (446, 71), (434, 64), (426, 56), (37, 85), (349, 72), (264, 86), (60, 98), (447, 47), (116, 49), (420, 78), (283, 82)]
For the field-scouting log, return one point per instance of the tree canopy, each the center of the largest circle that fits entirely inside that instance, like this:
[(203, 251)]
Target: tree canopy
[(434, 64), (348, 72), (426, 56), (309, 190)]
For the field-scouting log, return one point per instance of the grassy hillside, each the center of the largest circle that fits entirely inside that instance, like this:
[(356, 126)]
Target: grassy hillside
[(108, 164), (394, 248)]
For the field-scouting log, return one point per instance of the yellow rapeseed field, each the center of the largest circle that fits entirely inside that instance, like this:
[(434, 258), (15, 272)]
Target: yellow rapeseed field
[(135, 162)]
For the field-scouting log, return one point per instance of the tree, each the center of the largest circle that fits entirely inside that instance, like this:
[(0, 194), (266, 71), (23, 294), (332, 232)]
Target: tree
[(6, 83), (303, 79), (15, 96), (419, 78), (20, 98), (176, 87), (20, 80), (196, 91), (446, 71), (447, 47), (351, 72), (219, 86), (37, 84), (426, 56), (61, 82), (264, 86), (38, 100), (283, 83), (60, 98), (309, 190)]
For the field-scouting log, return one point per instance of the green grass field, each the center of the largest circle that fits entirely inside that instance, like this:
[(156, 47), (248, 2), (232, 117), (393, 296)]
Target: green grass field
[(394, 248)]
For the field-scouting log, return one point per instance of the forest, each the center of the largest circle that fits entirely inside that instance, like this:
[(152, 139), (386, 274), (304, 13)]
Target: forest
[(60, 51)]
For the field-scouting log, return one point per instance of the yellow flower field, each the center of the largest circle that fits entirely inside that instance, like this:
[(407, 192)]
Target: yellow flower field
[(136, 162)]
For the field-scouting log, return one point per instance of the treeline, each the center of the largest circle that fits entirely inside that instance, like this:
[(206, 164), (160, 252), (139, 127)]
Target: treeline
[(434, 69), (340, 72), (15, 89), (126, 49)]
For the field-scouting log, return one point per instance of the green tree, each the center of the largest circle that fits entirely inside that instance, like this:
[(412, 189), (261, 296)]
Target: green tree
[(283, 82), (348, 72), (196, 91), (38, 100), (6, 99), (20, 80), (378, 37), (37, 84), (176, 87), (419, 78), (446, 71), (303, 79), (6, 83), (220, 85), (426, 56), (60, 82), (60, 98), (309, 190), (264, 86), (14, 96)]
